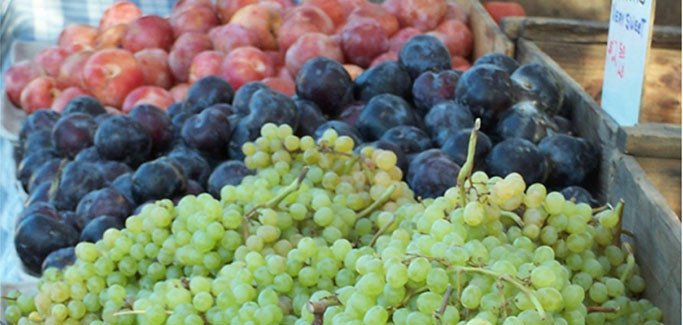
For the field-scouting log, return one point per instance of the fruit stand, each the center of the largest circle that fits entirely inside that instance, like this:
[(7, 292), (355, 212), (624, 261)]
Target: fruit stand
[(281, 162)]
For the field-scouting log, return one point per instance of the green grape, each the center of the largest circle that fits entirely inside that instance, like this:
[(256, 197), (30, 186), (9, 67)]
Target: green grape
[(471, 297), (376, 315), (573, 296), (598, 292), (550, 298), (371, 284), (615, 287), (418, 269), (417, 317), (608, 218), (13, 314), (542, 277), (437, 280), (554, 203), (474, 213)]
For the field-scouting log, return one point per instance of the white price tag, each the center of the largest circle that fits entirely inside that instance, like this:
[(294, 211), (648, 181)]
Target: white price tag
[(628, 42)]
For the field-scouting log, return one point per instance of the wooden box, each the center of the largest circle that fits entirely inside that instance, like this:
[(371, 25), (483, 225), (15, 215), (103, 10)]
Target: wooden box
[(640, 175)]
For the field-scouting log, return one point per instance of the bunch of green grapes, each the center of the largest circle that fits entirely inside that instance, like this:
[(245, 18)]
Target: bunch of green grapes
[(323, 235)]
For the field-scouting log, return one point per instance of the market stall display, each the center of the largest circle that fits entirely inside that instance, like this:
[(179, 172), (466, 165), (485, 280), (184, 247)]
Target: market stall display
[(113, 150)]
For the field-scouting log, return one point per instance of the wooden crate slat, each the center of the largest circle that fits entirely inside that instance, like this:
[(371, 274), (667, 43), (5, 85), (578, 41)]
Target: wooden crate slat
[(658, 235)]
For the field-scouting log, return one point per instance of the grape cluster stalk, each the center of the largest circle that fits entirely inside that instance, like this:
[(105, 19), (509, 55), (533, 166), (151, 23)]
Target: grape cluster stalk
[(323, 234)]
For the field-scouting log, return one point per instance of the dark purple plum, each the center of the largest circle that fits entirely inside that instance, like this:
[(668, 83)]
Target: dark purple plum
[(385, 78), (579, 194), (84, 104), (564, 125), (523, 120), (178, 121), (72, 133), (191, 163), (224, 108), (424, 53), (60, 258), (37, 236), (40, 194), (517, 155), (123, 138), (208, 132), (447, 118), (46, 173), (93, 231), (78, 178), (230, 172), (500, 60), (42, 119), (206, 92), (70, 218), (341, 128), (124, 185), (157, 123), (156, 180), (308, 115), (89, 154), (487, 90), (457, 145), (326, 83), (111, 169), (243, 95), (571, 159), (31, 163), (39, 208), (103, 202), (382, 113), (432, 88), (431, 173), (536, 82), (408, 138), (174, 109), (37, 141), (350, 114), (193, 188)]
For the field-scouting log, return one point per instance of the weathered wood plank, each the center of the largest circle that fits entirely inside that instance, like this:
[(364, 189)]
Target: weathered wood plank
[(662, 87), (667, 12), (657, 231), (665, 175), (579, 31), (486, 34), (651, 140)]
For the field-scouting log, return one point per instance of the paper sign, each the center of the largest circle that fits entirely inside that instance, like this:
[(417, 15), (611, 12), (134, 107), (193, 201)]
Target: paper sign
[(630, 34)]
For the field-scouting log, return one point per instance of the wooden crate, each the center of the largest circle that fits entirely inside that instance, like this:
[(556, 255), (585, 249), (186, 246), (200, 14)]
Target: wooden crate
[(579, 49), (647, 214), (667, 12)]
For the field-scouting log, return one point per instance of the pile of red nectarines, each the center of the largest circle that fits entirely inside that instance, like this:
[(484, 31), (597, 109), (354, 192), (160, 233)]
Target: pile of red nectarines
[(131, 58)]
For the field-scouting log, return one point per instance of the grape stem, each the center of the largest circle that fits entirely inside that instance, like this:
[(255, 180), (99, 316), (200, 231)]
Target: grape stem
[(620, 212), (383, 198), (600, 309), (272, 202), (499, 285), (466, 170), (444, 303), (319, 307), (514, 217), (509, 279), (8, 298), (382, 230), (630, 262)]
